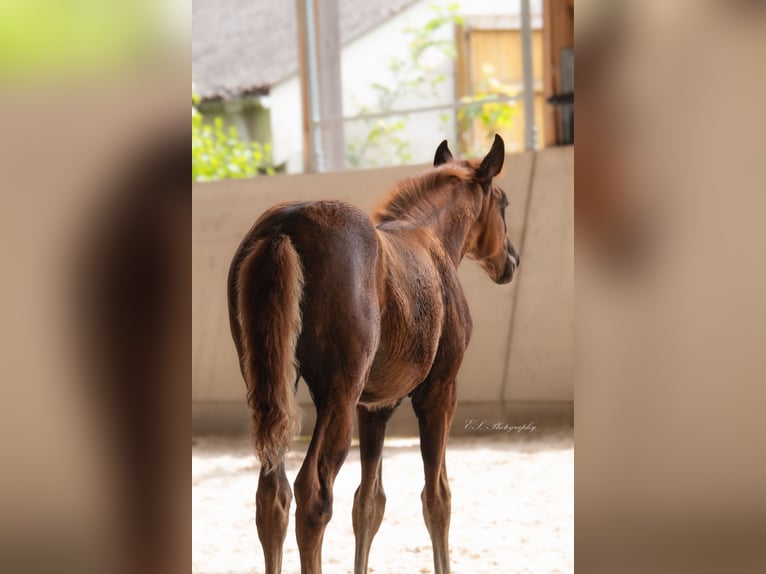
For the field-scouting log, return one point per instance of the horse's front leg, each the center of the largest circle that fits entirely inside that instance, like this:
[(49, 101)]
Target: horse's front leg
[(435, 408)]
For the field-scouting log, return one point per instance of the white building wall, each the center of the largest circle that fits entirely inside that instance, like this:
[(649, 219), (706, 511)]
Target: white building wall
[(365, 62), (286, 124)]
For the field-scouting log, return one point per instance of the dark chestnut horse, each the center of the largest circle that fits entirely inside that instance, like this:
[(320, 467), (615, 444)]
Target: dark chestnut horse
[(367, 311)]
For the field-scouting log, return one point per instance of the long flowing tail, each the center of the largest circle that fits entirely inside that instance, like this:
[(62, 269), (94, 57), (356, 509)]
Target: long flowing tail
[(266, 287)]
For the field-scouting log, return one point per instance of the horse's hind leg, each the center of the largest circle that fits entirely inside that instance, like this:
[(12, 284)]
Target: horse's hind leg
[(435, 408), (369, 499), (314, 484), (272, 514)]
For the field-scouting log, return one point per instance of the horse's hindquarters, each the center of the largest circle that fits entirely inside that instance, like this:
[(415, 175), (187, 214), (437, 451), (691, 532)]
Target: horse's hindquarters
[(340, 309)]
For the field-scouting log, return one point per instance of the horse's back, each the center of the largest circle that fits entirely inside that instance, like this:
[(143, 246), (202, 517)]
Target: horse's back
[(338, 248), (329, 235)]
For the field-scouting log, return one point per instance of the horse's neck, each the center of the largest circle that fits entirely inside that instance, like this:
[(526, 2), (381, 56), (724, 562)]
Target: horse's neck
[(450, 234), (449, 222), (452, 229)]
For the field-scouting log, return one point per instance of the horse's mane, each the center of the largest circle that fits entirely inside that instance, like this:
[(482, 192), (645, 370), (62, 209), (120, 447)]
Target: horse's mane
[(427, 190)]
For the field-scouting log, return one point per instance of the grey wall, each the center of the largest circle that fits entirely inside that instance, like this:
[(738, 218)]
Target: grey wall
[(519, 365)]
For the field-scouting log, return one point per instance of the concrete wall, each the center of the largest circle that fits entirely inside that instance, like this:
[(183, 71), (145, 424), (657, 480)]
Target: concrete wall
[(520, 361)]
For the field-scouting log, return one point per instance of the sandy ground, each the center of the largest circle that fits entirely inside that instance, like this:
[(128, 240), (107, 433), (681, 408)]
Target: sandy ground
[(512, 507)]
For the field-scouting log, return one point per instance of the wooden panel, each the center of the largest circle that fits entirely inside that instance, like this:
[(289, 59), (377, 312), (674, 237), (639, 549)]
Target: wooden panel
[(558, 21), (462, 65), (497, 54), (462, 80), (549, 131), (501, 49)]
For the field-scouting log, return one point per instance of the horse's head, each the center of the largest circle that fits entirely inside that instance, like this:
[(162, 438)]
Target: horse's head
[(489, 244)]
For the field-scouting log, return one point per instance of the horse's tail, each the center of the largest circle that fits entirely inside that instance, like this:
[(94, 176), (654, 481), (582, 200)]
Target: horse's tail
[(267, 292)]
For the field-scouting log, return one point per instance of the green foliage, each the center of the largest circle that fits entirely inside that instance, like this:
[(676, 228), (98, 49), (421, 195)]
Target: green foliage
[(492, 116), (411, 77), (220, 154)]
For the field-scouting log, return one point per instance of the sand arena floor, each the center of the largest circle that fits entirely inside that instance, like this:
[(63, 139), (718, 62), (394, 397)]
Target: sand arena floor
[(512, 507)]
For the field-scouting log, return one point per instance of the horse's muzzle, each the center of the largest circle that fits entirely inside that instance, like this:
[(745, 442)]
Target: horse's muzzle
[(511, 263)]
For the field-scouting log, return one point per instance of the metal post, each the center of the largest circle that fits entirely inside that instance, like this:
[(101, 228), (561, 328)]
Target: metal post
[(312, 144), (330, 83), (313, 91), (529, 81), (303, 74)]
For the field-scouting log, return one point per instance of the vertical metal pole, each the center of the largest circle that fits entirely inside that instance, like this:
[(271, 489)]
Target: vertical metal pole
[(529, 81), (303, 76), (313, 91), (330, 83), (307, 52)]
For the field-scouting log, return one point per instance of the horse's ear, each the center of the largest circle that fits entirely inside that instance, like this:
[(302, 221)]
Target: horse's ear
[(443, 154), (493, 162)]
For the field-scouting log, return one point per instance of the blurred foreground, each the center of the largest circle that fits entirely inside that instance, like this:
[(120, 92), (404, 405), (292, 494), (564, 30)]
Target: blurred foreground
[(94, 295), (670, 283)]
